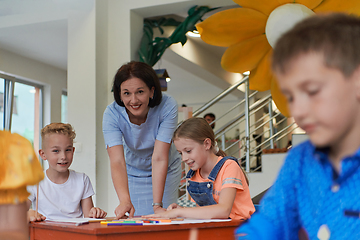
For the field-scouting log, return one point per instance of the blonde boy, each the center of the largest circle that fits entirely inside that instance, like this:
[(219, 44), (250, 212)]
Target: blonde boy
[(316, 195), (63, 193)]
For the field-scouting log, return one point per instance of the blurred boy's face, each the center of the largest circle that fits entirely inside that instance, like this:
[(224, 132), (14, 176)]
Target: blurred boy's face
[(58, 150), (322, 101), (210, 120)]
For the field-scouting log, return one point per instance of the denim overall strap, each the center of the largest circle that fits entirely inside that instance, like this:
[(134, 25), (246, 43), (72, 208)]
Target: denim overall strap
[(214, 172), (190, 173), (202, 192)]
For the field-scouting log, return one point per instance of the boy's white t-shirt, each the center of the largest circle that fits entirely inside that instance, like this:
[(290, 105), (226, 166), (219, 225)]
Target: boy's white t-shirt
[(58, 201)]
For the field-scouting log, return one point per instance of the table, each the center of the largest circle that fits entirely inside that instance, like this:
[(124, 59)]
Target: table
[(68, 231)]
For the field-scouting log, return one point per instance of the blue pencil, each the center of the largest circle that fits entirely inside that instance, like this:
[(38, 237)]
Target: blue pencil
[(123, 223)]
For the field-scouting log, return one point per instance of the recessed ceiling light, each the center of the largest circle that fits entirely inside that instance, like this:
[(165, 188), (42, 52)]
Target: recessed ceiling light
[(193, 33)]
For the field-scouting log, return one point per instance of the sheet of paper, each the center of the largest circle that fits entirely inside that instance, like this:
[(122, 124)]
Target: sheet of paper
[(69, 220), (80, 221), (187, 220), (76, 220)]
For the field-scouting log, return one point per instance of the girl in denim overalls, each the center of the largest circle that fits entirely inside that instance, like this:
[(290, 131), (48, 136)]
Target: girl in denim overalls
[(215, 182)]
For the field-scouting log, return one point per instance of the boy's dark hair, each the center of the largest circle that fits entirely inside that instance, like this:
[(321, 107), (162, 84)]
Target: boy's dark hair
[(142, 71), (335, 35), (210, 115)]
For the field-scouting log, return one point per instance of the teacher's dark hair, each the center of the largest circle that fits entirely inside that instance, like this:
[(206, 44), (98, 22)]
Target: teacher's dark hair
[(142, 71)]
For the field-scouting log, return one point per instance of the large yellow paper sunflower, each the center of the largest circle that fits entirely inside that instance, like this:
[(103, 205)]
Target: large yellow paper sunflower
[(247, 32)]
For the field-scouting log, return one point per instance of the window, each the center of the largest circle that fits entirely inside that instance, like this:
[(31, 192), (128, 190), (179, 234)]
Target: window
[(25, 117), (64, 108), (2, 102)]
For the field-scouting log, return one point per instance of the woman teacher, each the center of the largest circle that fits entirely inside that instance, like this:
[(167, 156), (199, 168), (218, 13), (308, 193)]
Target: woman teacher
[(137, 128)]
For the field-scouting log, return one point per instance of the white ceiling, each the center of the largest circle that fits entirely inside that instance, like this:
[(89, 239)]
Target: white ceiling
[(37, 29)]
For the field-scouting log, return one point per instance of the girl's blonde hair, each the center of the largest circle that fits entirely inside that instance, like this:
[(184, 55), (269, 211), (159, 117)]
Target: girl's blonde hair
[(198, 129)]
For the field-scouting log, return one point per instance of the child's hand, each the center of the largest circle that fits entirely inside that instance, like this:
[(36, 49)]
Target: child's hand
[(158, 209), (166, 214), (34, 216), (96, 212), (173, 206)]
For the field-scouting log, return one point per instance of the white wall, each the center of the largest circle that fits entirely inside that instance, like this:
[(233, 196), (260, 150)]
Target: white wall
[(102, 95), (82, 90), (260, 181), (53, 79), (271, 164), (299, 138)]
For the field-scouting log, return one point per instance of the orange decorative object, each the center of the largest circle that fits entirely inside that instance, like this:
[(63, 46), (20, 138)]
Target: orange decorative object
[(247, 31), (19, 167)]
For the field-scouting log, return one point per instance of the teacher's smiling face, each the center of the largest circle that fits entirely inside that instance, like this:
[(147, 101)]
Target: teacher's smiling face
[(135, 95)]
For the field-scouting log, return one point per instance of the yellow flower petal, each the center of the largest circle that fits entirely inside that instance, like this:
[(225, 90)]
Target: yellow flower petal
[(245, 55), (310, 3), (265, 7), (282, 2), (348, 6), (232, 26), (279, 98), (260, 77)]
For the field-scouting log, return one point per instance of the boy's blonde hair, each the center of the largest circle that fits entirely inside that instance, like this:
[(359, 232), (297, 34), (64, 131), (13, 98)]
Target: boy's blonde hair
[(61, 128), (335, 36)]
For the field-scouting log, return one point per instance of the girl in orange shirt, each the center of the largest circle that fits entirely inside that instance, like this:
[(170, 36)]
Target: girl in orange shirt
[(216, 183)]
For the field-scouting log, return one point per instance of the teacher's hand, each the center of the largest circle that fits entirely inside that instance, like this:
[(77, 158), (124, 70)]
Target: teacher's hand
[(123, 208)]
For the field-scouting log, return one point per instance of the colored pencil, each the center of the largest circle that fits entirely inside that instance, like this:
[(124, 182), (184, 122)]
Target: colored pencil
[(122, 224)]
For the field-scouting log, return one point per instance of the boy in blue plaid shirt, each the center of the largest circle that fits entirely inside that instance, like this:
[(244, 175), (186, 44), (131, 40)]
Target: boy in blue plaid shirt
[(317, 192)]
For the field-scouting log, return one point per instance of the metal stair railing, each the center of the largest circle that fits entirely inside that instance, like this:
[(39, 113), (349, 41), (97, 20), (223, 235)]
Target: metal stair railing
[(248, 111), (287, 130), (262, 124), (220, 96), (256, 128), (229, 124)]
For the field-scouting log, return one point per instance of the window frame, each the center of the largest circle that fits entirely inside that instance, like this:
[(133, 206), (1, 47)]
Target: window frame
[(9, 90)]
